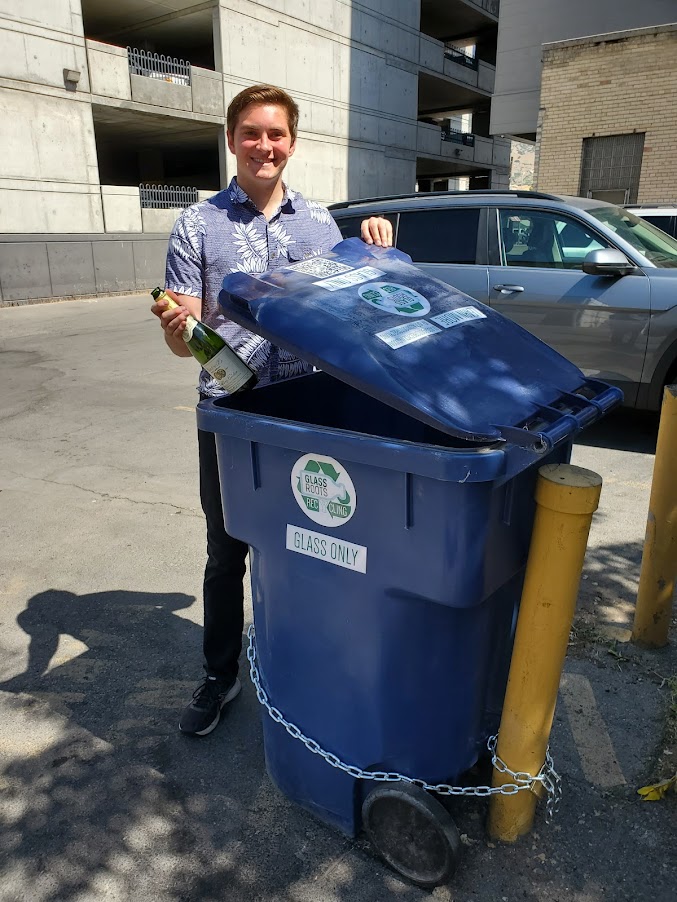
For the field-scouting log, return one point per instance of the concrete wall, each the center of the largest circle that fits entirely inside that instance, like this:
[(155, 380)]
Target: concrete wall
[(36, 267), (611, 90), (525, 25), (353, 67), (108, 70), (354, 73), (48, 174)]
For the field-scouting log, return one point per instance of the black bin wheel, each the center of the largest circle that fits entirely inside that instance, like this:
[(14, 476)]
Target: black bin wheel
[(412, 832)]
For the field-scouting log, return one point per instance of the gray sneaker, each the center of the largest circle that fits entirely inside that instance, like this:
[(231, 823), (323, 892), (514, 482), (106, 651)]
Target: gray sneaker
[(202, 715)]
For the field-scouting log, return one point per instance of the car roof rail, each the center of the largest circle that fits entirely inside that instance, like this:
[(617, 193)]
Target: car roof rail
[(503, 192)]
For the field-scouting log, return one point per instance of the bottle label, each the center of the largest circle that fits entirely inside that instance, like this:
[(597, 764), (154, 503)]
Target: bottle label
[(229, 371)]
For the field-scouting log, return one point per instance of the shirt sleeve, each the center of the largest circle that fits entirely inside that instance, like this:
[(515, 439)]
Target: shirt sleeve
[(184, 272), (335, 235)]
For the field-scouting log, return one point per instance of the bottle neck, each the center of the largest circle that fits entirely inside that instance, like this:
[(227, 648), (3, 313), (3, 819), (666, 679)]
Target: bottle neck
[(191, 322)]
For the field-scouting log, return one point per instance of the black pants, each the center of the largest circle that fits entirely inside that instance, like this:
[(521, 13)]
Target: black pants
[(223, 591)]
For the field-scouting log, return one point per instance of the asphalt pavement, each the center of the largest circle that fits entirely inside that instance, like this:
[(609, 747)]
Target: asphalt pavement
[(101, 556)]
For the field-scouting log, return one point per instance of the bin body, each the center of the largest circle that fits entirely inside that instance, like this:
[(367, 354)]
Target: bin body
[(386, 638), (388, 505)]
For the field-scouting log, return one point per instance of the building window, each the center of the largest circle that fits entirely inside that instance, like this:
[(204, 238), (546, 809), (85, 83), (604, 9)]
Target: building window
[(611, 166)]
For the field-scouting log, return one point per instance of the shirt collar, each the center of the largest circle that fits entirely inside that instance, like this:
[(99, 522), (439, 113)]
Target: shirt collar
[(238, 195)]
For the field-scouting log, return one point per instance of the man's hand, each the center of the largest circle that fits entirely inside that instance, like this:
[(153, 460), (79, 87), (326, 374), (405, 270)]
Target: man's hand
[(173, 322), (377, 230)]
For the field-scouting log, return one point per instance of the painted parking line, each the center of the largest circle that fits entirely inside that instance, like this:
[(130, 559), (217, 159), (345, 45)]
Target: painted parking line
[(592, 739), (189, 409)]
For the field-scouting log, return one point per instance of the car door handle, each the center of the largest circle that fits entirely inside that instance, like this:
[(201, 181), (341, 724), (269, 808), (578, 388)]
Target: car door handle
[(507, 289)]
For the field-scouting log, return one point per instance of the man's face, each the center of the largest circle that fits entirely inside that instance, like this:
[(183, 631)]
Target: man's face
[(262, 144)]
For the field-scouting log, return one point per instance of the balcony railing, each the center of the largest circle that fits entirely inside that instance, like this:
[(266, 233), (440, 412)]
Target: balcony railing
[(164, 197), (457, 136), (456, 55), (157, 65)]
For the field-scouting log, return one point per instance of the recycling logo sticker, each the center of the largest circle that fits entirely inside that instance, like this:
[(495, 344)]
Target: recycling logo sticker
[(394, 298), (323, 489)]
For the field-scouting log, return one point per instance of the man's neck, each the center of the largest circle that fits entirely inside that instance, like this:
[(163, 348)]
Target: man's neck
[(266, 197)]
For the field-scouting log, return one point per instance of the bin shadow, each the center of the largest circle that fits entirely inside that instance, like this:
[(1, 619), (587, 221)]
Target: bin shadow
[(623, 429), (102, 795)]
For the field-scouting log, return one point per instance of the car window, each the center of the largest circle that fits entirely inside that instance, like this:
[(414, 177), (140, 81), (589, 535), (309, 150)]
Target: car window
[(665, 223), (350, 225), (542, 239), (439, 236), (654, 244)]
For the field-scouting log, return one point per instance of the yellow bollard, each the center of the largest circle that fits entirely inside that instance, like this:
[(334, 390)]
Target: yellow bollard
[(659, 559), (566, 498)]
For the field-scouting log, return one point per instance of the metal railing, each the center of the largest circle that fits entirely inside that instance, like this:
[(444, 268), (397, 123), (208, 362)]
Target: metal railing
[(456, 55), (457, 136), (157, 65), (165, 197)]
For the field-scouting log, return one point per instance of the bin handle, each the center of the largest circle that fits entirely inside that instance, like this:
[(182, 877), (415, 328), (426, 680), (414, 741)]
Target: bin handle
[(524, 438), (562, 424)]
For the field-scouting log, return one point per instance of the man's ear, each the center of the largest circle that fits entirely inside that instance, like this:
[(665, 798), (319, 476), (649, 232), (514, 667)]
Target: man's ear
[(292, 148), (229, 138)]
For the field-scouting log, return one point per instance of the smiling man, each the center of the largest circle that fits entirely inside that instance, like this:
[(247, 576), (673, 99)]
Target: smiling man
[(256, 223)]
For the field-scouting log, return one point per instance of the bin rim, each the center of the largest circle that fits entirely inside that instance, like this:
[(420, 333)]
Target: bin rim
[(485, 463)]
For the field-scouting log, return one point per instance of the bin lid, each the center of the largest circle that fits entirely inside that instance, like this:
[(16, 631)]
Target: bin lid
[(369, 317)]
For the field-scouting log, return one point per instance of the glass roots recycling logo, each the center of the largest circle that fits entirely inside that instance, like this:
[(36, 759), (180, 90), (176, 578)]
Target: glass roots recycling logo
[(394, 298), (323, 490)]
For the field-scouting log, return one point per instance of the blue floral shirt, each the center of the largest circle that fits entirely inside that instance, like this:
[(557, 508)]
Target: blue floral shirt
[(227, 233)]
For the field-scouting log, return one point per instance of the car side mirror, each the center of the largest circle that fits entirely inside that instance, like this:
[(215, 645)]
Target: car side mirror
[(607, 262)]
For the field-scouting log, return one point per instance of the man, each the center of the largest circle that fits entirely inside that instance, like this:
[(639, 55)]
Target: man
[(257, 223)]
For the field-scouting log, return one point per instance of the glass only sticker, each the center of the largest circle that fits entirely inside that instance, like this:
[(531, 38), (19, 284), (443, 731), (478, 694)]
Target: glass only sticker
[(356, 277), (407, 333), (459, 315), (327, 548)]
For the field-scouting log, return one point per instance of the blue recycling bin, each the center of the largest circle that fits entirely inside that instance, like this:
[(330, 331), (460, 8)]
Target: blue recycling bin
[(387, 500)]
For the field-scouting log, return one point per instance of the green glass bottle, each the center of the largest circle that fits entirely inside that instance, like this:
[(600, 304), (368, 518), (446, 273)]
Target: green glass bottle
[(211, 351)]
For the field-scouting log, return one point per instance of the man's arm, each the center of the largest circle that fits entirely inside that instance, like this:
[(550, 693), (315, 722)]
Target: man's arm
[(173, 321)]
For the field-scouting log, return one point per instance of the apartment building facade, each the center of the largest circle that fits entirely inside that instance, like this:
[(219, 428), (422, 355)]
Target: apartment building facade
[(611, 134), (526, 25), (115, 118)]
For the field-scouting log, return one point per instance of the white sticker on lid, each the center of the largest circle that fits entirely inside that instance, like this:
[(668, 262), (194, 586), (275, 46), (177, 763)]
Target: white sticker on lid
[(459, 315), (407, 333), (356, 277), (319, 266)]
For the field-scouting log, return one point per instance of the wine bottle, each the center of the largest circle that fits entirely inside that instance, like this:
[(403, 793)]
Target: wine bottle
[(211, 351)]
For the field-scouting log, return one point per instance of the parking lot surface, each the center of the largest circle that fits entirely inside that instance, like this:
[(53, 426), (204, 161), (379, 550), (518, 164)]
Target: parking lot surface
[(101, 557)]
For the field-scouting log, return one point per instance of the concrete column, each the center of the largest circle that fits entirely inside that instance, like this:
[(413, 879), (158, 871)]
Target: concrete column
[(226, 167)]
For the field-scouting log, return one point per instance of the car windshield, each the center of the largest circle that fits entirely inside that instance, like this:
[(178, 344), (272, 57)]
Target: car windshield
[(657, 246)]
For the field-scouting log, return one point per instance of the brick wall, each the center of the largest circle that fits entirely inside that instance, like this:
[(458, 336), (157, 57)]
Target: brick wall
[(592, 88)]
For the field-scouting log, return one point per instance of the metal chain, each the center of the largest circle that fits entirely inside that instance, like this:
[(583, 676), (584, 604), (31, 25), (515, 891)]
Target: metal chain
[(547, 777)]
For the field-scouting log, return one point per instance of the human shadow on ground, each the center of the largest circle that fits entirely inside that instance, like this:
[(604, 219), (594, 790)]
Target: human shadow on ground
[(106, 800), (106, 797)]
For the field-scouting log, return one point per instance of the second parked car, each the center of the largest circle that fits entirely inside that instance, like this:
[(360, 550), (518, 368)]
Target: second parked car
[(590, 279)]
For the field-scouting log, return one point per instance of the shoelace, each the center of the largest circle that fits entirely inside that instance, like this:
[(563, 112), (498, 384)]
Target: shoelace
[(207, 692)]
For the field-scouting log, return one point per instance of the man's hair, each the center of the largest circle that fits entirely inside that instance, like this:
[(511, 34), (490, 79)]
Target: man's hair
[(260, 95)]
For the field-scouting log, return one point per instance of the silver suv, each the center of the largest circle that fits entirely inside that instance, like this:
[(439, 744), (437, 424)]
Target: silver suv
[(590, 279)]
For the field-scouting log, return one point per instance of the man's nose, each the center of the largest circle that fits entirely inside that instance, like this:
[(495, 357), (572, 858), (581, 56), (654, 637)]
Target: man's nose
[(264, 143)]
